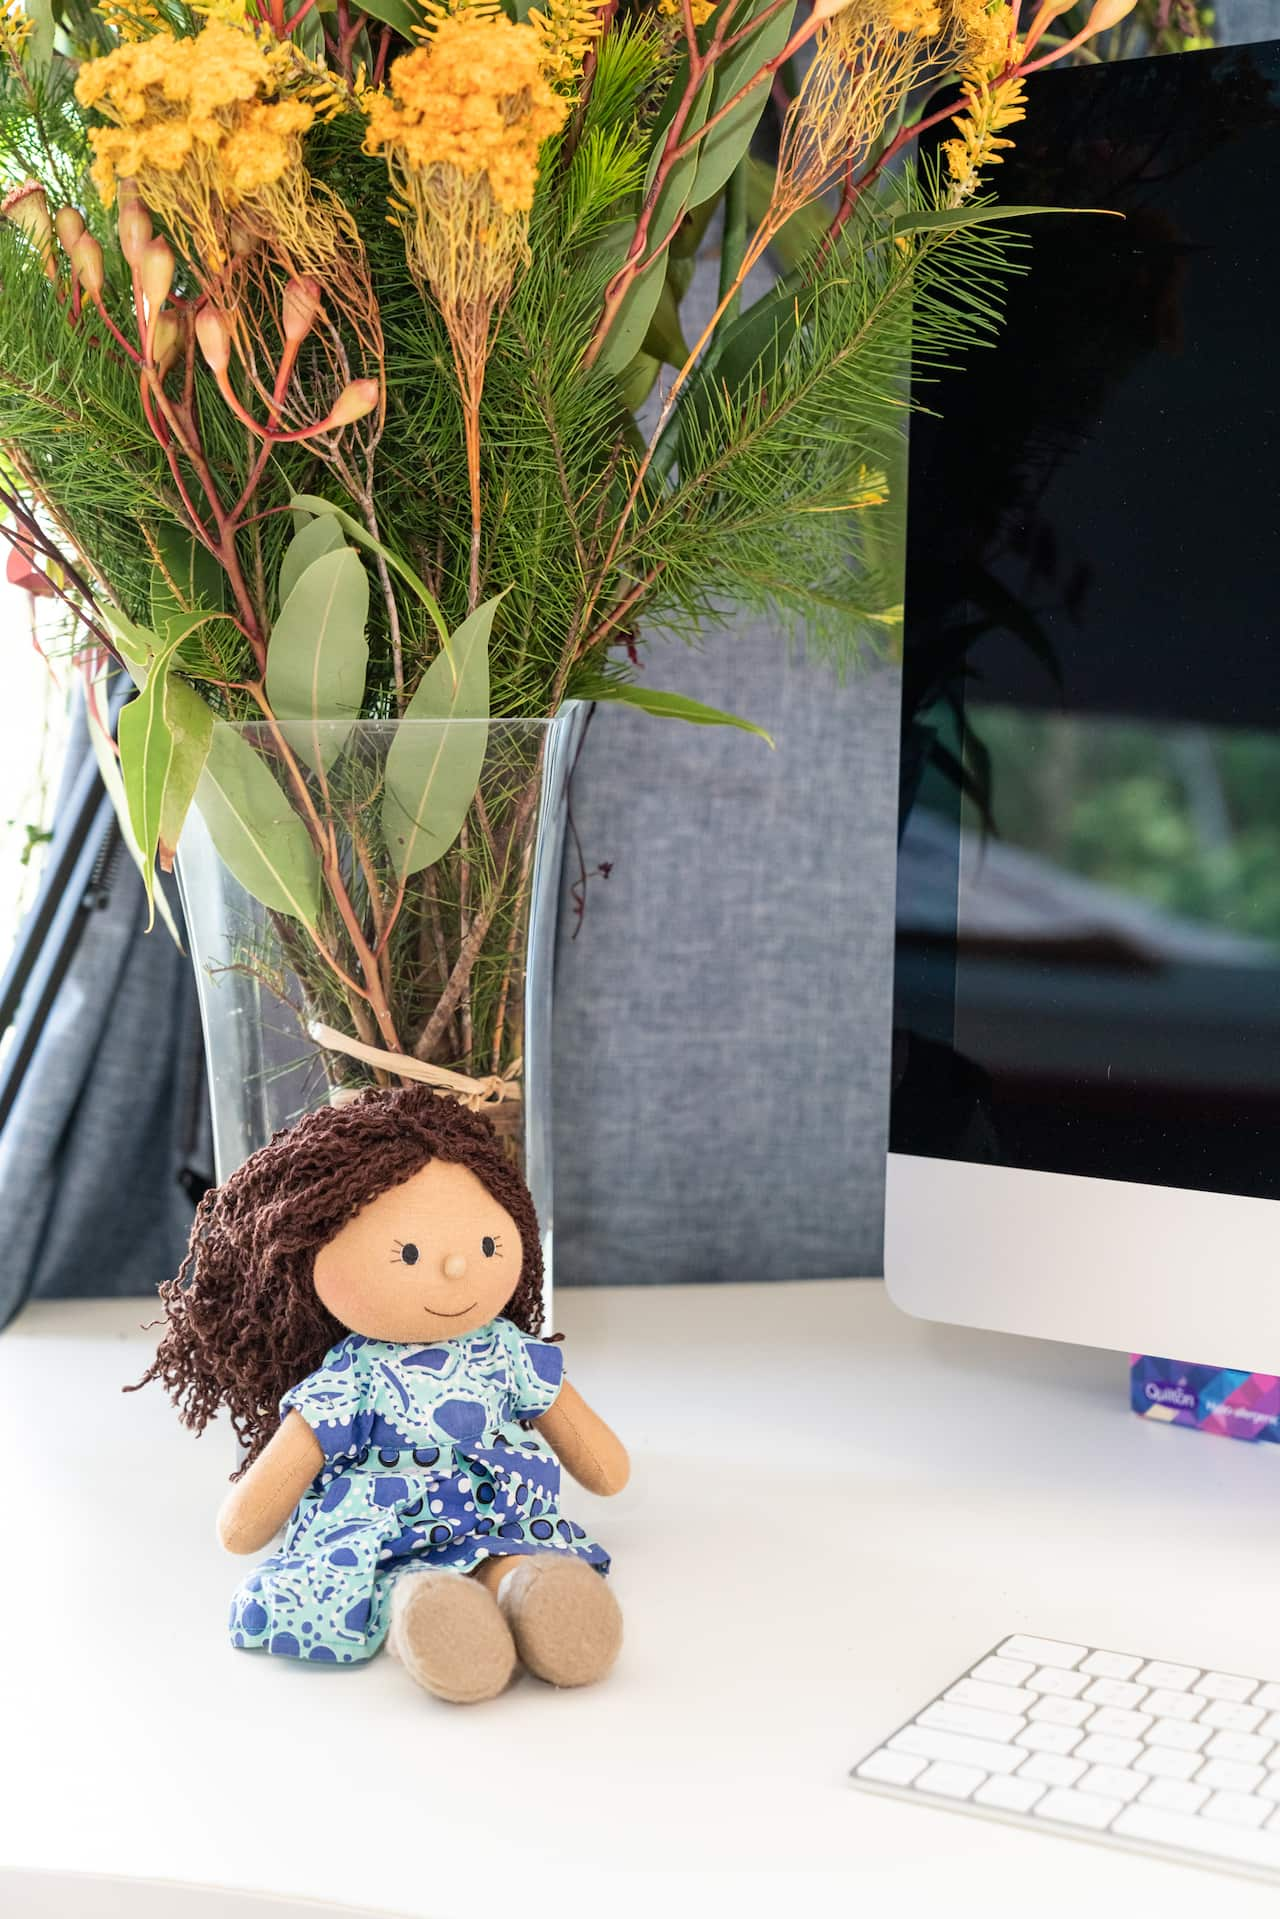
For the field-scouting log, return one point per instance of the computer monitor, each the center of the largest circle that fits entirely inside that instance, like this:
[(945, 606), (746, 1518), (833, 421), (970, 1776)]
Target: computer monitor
[(1085, 1129)]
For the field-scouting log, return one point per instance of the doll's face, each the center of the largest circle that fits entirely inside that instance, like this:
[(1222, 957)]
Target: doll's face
[(430, 1259)]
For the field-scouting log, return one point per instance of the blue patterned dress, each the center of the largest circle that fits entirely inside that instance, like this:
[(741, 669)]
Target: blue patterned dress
[(425, 1464)]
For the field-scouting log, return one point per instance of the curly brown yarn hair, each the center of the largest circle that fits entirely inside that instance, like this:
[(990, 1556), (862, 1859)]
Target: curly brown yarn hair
[(244, 1320)]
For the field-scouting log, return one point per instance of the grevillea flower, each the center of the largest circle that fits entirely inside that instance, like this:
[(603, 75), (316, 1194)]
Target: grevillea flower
[(210, 127)]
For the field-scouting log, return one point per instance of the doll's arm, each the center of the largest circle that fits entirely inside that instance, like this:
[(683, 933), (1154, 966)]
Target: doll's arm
[(583, 1444), (258, 1505)]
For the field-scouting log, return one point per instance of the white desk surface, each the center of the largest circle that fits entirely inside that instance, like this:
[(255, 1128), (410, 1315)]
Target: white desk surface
[(833, 1510)]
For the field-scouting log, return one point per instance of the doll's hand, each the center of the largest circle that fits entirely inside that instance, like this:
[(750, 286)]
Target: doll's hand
[(583, 1444), (258, 1505)]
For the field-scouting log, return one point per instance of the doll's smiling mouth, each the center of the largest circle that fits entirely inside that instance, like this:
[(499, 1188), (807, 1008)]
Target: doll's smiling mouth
[(437, 1314)]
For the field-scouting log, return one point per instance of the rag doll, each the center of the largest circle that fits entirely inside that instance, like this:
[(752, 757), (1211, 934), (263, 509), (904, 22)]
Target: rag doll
[(364, 1297)]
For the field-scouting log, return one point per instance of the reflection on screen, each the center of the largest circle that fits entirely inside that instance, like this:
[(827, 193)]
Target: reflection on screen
[(1088, 975)]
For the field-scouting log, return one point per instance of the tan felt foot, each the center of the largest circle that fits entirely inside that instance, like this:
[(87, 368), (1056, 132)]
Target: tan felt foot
[(567, 1623), (450, 1636)]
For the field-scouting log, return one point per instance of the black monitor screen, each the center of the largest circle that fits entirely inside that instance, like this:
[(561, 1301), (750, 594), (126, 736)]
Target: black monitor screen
[(1088, 946)]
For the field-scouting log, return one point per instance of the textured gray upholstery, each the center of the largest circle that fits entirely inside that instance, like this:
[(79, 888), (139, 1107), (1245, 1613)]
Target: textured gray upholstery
[(722, 1020)]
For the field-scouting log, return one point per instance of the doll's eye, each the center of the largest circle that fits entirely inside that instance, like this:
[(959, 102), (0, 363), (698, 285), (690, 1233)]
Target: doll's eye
[(488, 1246), (405, 1252)]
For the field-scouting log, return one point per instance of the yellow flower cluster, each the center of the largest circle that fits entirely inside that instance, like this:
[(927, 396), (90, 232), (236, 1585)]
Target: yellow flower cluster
[(984, 30), (475, 99), (208, 106), (994, 99), (566, 29), (990, 107), (702, 10), (131, 19), (15, 30)]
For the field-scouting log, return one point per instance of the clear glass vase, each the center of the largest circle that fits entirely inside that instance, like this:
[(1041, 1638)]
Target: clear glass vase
[(448, 958)]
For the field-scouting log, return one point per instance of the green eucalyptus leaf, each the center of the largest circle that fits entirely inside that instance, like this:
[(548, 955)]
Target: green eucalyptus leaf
[(137, 645), (255, 831), (673, 706), (318, 536), (406, 18), (109, 768), (190, 723), (950, 219), (312, 503), (318, 657), (433, 772), (146, 755), (721, 150), (665, 341), (189, 580), (631, 322)]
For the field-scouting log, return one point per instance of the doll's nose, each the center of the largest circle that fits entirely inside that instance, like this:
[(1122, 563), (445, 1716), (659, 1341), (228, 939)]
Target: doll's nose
[(455, 1266)]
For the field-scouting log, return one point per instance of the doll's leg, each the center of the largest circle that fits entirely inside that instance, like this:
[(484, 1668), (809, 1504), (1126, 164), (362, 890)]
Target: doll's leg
[(449, 1635), (566, 1623)]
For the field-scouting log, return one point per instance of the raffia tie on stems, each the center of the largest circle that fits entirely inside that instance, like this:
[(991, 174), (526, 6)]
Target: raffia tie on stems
[(475, 1094)]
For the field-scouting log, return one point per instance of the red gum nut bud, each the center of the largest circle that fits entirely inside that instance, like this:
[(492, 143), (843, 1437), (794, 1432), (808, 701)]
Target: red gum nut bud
[(299, 308), (352, 403), (166, 340), (1106, 14), (155, 272), (68, 224), (86, 258), (214, 337), (135, 230), (28, 209)]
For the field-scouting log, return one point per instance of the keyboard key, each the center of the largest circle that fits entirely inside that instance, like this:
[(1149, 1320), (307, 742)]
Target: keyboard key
[(1061, 1712), (1009, 1795), (1270, 1727), (1182, 1705), (971, 1720), (1268, 1697), (1226, 1685), (1161, 1763), (1045, 1652), (1220, 1775), (951, 1782), (1124, 1725), (1101, 1751), (1270, 1787), (1174, 1795), (1110, 1665), (1246, 1748), (1157, 1672), (1078, 1809), (1004, 1672), (1193, 1833), (975, 1692), (891, 1768), (1181, 1735), (1114, 1692), (1039, 1737), (1113, 1782), (1226, 1717), (1051, 1769), (947, 1747), (1237, 1809), (1060, 1685)]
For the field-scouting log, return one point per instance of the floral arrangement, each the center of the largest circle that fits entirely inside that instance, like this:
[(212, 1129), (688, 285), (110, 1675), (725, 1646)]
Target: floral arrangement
[(344, 380)]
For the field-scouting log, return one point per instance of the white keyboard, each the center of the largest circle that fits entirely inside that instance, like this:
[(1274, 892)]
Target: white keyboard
[(1164, 1758)]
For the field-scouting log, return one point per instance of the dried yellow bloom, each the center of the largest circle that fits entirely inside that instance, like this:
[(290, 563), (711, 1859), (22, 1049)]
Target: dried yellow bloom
[(210, 127), (475, 101)]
